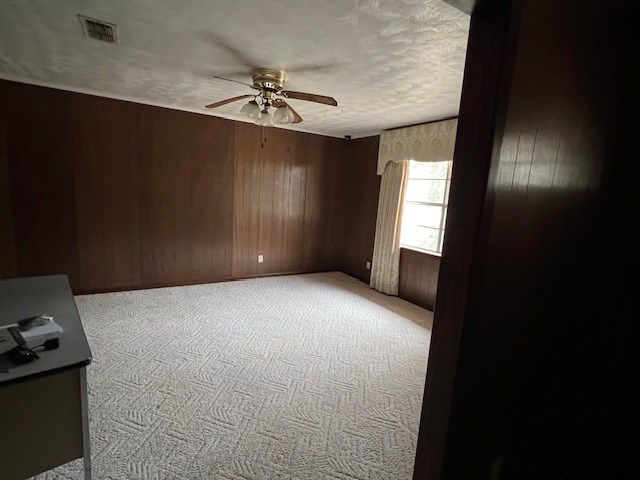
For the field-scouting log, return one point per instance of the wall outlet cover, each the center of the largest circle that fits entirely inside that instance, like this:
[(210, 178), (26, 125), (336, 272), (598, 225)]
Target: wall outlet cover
[(260, 258), (368, 265)]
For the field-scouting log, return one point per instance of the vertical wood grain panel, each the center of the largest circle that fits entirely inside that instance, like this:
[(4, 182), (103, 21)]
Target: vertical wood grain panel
[(290, 211), (336, 213), (219, 205), (155, 180), (271, 183), (39, 142), (8, 261), (418, 277), (296, 201), (312, 224), (324, 206), (155, 197), (246, 190), (106, 191), (186, 196), (269, 192), (362, 189)]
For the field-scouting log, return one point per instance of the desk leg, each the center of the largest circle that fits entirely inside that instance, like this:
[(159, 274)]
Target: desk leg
[(86, 440)]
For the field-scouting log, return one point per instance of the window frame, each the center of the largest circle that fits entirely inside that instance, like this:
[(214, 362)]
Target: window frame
[(444, 207)]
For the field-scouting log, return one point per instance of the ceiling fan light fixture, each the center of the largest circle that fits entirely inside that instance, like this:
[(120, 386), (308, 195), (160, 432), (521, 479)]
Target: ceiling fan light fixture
[(264, 119), (283, 115), (251, 109), (270, 85)]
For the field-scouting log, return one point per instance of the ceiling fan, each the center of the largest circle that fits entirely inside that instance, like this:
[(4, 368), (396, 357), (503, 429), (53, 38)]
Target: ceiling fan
[(270, 85)]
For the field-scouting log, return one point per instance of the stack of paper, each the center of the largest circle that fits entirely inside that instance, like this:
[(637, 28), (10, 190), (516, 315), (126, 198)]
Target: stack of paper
[(39, 330)]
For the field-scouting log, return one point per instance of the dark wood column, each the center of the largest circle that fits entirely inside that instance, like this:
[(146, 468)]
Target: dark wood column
[(532, 325)]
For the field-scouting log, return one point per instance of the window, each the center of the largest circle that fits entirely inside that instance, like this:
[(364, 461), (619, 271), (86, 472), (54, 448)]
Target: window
[(425, 206)]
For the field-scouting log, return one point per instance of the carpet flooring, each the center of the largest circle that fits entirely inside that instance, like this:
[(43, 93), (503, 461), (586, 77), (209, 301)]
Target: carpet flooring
[(297, 377)]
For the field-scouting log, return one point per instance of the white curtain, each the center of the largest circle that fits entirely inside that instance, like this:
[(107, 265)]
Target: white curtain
[(431, 142), (386, 251)]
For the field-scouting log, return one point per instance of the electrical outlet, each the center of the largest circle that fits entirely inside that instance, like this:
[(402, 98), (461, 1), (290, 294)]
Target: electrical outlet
[(368, 265), (260, 258)]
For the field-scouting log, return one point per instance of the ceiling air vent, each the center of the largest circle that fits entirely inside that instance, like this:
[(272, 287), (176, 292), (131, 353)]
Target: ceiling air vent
[(103, 31)]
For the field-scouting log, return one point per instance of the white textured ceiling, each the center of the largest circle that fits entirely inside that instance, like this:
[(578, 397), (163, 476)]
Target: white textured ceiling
[(388, 63)]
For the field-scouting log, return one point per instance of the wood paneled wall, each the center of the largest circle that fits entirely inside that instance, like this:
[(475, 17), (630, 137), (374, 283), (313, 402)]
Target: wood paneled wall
[(360, 204), (8, 266), (285, 202), (120, 195), (526, 378), (324, 218), (418, 277)]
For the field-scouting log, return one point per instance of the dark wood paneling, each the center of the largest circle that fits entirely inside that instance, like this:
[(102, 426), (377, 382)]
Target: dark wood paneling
[(486, 52), (39, 135), (418, 277), (134, 196), (324, 208), (247, 151), (517, 376), (269, 195), (217, 199), (286, 208), (8, 266), (147, 196), (185, 178), (361, 187), (282, 200), (106, 193)]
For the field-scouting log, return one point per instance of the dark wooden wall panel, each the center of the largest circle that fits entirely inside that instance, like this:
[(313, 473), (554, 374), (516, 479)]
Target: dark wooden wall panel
[(134, 196), (41, 177), (360, 204), (246, 191), (526, 378), (287, 153), (324, 206), (286, 184), (8, 266), (186, 181), (418, 277), (217, 198), (106, 193)]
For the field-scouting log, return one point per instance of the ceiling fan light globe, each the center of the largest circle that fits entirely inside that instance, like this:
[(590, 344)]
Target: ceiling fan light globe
[(283, 115), (264, 119), (251, 109)]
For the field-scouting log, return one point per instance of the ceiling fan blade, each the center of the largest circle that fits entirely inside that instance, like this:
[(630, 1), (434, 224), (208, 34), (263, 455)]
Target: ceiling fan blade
[(281, 103), (309, 97), (234, 81), (228, 100)]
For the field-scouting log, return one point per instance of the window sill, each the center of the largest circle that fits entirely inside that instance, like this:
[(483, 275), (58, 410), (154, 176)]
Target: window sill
[(420, 250)]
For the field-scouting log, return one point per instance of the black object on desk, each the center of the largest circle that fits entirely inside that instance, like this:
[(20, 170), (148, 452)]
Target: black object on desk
[(44, 404)]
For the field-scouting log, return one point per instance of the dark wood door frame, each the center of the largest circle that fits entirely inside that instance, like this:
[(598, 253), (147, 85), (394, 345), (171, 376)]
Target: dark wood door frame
[(487, 69), (558, 78)]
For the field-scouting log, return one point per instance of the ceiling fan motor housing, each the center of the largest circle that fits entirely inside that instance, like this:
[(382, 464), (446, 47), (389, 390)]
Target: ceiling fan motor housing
[(268, 80)]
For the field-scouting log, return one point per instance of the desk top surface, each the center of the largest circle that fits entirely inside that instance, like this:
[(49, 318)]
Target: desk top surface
[(49, 295)]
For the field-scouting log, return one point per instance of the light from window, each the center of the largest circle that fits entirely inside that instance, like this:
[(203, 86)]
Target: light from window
[(425, 206)]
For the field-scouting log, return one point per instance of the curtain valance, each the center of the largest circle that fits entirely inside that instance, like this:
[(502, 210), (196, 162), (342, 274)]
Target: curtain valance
[(430, 142)]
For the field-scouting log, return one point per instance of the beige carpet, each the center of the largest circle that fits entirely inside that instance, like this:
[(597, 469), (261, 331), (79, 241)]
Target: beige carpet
[(299, 377)]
